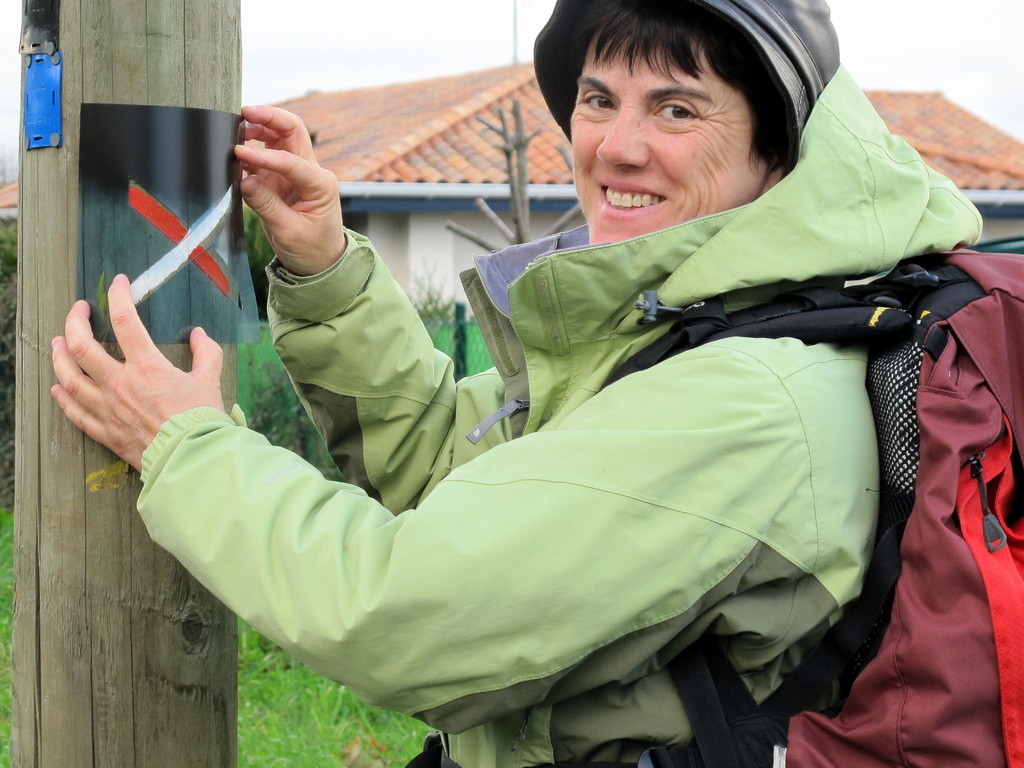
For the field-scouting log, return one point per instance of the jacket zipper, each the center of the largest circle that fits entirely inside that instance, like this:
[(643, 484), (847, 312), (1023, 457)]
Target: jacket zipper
[(995, 534), (518, 738), (507, 411)]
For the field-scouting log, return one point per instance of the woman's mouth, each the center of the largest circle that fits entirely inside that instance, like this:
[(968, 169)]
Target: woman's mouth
[(630, 200)]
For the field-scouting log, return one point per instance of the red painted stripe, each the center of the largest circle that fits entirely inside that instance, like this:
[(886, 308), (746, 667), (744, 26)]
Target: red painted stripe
[(170, 225)]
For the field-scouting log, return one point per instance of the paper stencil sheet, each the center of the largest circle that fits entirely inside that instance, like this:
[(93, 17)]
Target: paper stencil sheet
[(160, 203)]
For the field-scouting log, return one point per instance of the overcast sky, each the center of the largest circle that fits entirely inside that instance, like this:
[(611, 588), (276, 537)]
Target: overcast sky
[(971, 51)]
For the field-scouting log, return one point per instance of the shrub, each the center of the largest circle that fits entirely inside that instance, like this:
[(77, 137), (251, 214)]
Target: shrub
[(8, 349), (8, 247), (275, 412), (259, 252)]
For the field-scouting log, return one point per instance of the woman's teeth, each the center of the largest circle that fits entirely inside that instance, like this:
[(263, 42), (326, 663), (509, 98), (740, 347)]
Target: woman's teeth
[(629, 200)]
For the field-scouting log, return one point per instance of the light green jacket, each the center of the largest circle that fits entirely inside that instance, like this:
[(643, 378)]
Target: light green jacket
[(533, 587)]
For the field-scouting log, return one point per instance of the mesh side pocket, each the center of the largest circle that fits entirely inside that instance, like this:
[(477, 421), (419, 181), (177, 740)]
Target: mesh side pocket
[(893, 375)]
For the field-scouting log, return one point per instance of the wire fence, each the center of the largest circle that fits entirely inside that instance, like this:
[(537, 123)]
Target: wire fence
[(272, 408), (460, 338)]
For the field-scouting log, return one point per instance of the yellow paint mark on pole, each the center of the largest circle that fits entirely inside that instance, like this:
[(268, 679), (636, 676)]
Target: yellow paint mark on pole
[(109, 478)]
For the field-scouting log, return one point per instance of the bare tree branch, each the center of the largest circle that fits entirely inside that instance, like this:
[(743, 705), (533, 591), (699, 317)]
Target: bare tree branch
[(514, 144), (490, 125), (566, 154), (520, 141), (564, 219), (495, 220), (472, 236)]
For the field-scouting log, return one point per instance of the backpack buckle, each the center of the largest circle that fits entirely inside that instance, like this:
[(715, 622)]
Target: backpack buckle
[(914, 276), (656, 757)]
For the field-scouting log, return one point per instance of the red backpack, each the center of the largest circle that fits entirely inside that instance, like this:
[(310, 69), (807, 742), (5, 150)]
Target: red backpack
[(947, 684), (931, 656)]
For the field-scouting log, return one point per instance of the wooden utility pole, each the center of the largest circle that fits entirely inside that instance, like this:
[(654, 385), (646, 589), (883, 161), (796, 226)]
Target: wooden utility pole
[(120, 658)]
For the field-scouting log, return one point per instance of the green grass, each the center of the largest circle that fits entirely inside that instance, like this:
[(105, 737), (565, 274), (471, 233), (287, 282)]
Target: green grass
[(290, 716), (6, 599), (287, 714)]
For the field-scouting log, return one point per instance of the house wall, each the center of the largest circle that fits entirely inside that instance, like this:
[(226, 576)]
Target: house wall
[(1001, 229), (425, 256), (389, 233)]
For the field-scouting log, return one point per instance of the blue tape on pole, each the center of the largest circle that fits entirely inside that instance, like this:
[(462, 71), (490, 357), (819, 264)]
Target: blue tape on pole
[(42, 101)]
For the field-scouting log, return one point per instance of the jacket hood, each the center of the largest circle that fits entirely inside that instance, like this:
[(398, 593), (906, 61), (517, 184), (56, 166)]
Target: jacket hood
[(858, 201), (795, 40)]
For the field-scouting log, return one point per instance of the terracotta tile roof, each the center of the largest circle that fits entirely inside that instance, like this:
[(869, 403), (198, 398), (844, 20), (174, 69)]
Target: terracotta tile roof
[(953, 141), (9, 195), (429, 131)]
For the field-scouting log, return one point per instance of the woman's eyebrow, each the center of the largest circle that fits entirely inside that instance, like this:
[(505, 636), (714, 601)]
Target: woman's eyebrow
[(655, 95), (678, 92), (586, 81)]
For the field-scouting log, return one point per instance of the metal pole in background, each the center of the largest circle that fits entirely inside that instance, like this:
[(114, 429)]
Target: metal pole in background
[(459, 341)]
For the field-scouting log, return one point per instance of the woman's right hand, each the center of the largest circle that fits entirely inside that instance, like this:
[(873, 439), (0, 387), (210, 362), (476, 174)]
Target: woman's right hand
[(295, 198)]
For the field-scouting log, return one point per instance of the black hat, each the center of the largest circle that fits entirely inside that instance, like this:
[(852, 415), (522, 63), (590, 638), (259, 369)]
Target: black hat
[(794, 38)]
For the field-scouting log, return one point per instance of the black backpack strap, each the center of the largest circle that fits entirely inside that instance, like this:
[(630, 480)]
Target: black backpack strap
[(813, 315), (856, 313), (695, 325), (730, 730), (858, 627), (708, 692), (430, 757), (433, 754)]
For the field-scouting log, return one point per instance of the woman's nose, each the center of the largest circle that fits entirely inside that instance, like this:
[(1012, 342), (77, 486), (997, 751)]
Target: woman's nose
[(624, 142)]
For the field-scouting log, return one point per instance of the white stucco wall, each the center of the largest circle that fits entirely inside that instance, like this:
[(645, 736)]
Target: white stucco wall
[(1001, 229), (424, 255)]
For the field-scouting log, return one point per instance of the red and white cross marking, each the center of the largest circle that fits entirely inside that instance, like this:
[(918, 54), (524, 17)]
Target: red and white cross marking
[(190, 244)]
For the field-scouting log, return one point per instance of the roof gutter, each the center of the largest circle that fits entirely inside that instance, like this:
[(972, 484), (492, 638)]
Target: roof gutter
[(448, 191), (1002, 203), (995, 197), (998, 203), (992, 197), (386, 196)]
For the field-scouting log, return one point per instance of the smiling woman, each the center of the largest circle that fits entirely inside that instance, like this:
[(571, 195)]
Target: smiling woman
[(517, 558), (675, 118), (651, 150)]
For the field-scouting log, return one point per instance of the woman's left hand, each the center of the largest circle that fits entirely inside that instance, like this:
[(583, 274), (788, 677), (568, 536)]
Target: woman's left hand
[(123, 405)]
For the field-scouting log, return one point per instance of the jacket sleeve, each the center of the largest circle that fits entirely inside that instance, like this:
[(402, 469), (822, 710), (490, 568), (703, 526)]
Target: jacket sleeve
[(367, 373), (519, 577)]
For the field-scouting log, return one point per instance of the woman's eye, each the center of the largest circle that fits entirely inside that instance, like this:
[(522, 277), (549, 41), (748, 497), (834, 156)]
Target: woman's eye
[(676, 112), (594, 100)]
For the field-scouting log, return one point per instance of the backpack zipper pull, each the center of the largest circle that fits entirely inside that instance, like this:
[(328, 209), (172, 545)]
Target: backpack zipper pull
[(995, 534), (507, 411)]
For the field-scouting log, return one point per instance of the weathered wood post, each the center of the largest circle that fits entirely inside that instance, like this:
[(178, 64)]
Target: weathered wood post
[(120, 658)]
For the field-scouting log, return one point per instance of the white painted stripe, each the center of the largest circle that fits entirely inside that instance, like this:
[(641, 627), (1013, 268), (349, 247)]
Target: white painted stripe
[(202, 233)]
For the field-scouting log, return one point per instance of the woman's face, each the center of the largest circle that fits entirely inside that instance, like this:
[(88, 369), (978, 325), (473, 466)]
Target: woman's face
[(652, 150)]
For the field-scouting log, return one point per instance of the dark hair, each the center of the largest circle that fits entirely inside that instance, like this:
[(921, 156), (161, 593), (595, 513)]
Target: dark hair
[(667, 35)]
